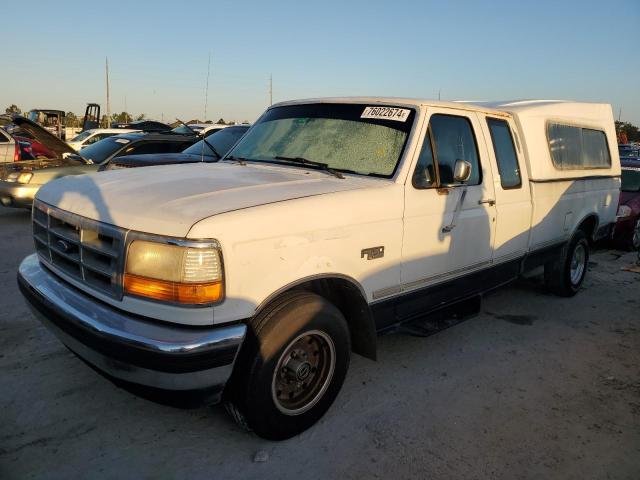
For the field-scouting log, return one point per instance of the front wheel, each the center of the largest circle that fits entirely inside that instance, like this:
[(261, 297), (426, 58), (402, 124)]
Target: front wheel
[(291, 367), (564, 276)]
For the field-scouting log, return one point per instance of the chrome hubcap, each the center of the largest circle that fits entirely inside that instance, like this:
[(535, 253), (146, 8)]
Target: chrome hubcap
[(578, 264), (303, 372)]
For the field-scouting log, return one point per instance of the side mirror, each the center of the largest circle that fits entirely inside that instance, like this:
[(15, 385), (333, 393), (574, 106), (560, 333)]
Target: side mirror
[(462, 171)]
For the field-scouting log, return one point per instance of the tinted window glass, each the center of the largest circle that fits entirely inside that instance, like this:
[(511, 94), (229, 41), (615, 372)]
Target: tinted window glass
[(81, 136), (221, 141), (576, 147), (505, 153), (454, 140), (631, 179), (594, 147), (154, 147), (424, 175), (102, 150)]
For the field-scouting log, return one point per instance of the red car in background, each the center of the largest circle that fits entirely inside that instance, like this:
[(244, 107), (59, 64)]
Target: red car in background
[(626, 233), (38, 150)]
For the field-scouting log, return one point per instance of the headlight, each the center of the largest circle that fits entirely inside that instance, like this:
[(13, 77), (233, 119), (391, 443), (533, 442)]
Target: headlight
[(172, 273), (19, 177), (623, 211)]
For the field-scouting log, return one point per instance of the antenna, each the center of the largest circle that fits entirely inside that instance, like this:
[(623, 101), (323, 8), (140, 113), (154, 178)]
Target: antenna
[(620, 114), (206, 90), (270, 89), (106, 65)]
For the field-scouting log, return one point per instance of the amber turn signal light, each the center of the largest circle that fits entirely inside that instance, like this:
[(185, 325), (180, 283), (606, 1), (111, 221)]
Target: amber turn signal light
[(166, 291)]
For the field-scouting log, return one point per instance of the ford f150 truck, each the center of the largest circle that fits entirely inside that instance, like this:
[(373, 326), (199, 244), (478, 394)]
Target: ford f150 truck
[(252, 279)]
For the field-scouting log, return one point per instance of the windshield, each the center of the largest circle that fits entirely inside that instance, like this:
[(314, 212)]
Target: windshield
[(184, 130), (362, 139), (101, 151), (631, 179), (81, 136), (221, 141)]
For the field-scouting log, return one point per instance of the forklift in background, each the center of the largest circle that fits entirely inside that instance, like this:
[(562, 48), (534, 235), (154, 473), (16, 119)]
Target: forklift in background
[(54, 120)]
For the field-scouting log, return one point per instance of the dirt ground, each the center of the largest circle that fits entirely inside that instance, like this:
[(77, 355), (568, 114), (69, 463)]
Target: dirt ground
[(534, 387)]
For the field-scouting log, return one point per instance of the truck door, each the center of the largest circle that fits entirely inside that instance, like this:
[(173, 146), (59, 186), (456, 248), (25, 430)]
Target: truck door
[(512, 195), (449, 225)]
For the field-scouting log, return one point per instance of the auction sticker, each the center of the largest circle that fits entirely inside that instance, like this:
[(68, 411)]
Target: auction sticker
[(386, 113)]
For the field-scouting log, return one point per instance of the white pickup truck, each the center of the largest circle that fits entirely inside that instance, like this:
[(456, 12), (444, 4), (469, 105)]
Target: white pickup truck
[(252, 279)]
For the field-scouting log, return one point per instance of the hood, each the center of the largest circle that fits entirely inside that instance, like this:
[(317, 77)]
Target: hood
[(37, 165), (156, 159), (170, 199), (46, 138)]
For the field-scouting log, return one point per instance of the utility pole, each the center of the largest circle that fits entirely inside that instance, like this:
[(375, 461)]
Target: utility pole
[(106, 64), (206, 90), (126, 112), (270, 90)]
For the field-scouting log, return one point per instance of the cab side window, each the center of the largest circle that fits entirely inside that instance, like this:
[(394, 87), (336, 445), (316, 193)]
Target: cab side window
[(449, 138), (505, 153), (424, 175), (454, 140)]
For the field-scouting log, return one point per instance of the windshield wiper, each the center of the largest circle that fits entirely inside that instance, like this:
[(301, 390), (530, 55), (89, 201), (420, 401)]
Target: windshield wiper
[(215, 152), (304, 161), (79, 158), (240, 160)]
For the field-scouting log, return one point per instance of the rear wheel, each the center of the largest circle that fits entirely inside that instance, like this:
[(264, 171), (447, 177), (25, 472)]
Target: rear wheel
[(291, 367), (564, 276)]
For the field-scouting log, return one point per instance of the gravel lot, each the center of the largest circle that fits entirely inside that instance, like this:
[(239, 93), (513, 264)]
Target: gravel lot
[(533, 387)]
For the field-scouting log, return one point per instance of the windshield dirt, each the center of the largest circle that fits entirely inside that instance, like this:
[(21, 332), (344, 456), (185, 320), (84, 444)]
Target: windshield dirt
[(355, 138)]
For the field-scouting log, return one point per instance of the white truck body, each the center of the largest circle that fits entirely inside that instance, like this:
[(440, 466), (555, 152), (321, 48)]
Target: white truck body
[(475, 195), (292, 224)]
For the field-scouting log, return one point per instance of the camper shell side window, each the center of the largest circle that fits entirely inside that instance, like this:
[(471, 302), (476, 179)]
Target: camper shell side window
[(575, 147)]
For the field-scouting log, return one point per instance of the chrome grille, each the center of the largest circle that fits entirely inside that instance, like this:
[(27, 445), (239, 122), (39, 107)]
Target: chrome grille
[(86, 250)]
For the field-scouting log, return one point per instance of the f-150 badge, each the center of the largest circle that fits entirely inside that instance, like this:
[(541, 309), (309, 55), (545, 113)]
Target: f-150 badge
[(372, 253)]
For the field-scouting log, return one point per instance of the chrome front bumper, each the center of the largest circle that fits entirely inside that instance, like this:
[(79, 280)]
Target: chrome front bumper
[(128, 347), (19, 195)]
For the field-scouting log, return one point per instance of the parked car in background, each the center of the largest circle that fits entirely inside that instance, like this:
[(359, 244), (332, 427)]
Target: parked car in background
[(13, 149), (19, 181), (87, 137), (211, 149), (626, 232), (200, 128), (143, 126), (36, 149), (629, 150), (330, 220)]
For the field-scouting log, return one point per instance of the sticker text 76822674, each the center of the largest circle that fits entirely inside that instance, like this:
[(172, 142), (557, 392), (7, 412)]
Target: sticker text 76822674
[(386, 113)]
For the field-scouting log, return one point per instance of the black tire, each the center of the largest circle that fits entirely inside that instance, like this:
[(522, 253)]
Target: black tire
[(634, 241), (559, 276), (255, 395)]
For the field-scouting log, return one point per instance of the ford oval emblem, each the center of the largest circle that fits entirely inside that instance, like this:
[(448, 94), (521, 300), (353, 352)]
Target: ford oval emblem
[(63, 246)]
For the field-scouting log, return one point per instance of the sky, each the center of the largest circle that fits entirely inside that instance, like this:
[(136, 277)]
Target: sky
[(54, 53)]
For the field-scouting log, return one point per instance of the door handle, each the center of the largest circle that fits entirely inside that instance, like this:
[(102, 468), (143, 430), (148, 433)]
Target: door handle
[(490, 201)]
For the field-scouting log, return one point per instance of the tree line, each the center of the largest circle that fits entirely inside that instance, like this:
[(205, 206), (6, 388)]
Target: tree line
[(75, 121)]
